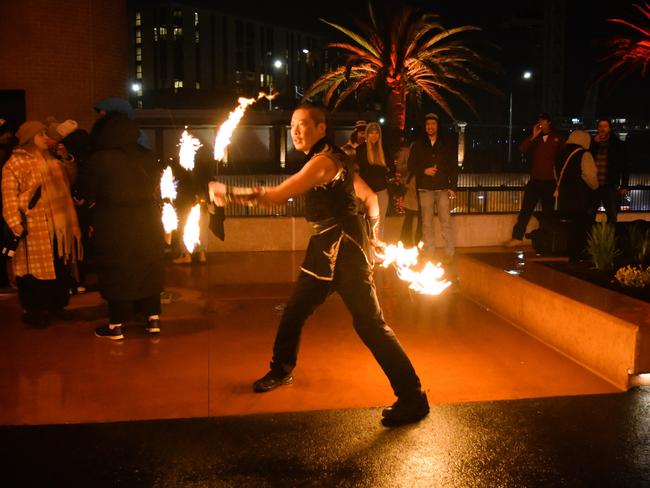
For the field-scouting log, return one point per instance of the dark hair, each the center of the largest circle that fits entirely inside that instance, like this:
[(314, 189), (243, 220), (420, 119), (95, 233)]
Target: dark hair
[(317, 112), (605, 119)]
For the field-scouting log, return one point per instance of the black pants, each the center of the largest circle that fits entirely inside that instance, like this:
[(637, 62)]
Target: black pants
[(354, 283), (610, 198), (45, 295), (120, 311), (406, 235), (534, 191)]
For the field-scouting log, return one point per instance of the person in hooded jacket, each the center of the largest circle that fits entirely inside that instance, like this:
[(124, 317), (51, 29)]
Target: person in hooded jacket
[(129, 239), (577, 178)]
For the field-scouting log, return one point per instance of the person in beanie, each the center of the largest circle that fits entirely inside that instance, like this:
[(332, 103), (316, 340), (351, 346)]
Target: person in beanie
[(129, 238), (48, 224), (576, 176)]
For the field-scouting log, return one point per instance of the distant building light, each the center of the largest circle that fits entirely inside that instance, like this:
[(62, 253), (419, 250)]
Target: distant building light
[(135, 87), (382, 120), (527, 75), (575, 120), (277, 64), (305, 51)]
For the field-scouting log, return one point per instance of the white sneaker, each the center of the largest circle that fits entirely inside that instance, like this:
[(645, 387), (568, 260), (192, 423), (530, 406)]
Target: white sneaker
[(514, 243)]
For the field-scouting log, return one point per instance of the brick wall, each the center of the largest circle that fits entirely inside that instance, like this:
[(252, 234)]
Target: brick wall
[(66, 55)]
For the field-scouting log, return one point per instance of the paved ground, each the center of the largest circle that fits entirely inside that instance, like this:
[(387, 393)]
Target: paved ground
[(590, 441)]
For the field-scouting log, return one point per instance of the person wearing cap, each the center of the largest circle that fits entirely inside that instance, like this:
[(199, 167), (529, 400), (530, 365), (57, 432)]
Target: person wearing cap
[(53, 237), (433, 162), (357, 138), (542, 148)]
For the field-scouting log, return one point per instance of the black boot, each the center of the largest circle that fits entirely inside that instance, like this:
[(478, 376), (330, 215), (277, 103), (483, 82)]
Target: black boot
[(271, 381), (406, 410)]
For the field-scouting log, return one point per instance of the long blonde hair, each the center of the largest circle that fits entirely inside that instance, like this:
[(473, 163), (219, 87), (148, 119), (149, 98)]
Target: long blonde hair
[(375, 151)]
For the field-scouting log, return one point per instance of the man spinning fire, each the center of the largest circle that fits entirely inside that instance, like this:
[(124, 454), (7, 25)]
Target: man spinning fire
[(338, 259)]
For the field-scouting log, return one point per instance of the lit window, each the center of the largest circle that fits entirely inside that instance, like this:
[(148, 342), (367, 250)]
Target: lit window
[(178, 32), (139, 102), (196, 37), (196, 19), (198, 85), (138, 19), (138, 71), (178, 83), (138, 54), (163, 32), (155, 34), (138, 36)]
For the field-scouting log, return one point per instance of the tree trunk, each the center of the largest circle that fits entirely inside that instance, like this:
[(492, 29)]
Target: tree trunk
[(396, 107)]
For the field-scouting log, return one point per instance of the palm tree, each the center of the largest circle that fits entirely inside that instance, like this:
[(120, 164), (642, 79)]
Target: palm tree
[(412, 54), (625, 55)]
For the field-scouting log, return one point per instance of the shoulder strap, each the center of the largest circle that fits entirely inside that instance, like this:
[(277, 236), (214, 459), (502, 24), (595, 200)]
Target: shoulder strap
[(556, 193)]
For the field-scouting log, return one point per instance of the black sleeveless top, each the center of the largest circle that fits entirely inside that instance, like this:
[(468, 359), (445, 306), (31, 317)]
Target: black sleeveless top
[(332, 210)]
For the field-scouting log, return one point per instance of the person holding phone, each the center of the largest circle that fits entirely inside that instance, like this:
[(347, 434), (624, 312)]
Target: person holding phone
[(542, 147)]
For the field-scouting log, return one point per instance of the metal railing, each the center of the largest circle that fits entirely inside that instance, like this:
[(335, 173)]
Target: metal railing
[(478, 193)]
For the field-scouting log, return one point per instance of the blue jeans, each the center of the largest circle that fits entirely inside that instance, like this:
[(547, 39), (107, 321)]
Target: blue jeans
[(432, 202)]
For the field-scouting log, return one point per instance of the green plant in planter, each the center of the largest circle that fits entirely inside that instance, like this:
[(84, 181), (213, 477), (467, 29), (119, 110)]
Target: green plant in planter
[(639, 243), (601, 245)]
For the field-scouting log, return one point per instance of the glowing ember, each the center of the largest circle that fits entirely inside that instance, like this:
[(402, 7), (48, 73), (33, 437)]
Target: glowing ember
[(167, 185), (191, 230), (228, 127), (169, 218), (188, 147), (428, 281)]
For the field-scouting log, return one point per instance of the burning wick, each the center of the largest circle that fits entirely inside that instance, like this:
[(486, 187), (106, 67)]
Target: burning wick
[(228, 127), (428, 281), (168, 194), (188, 147), (191, 230)]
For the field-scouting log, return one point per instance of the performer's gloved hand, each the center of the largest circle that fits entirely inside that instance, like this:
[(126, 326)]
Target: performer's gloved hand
[(217, 192), (378, 246)]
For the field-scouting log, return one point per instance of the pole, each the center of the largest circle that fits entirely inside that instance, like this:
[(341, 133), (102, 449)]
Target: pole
[(510, 130)]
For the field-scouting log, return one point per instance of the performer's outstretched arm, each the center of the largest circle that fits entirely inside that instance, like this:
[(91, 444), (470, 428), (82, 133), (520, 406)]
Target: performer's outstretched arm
[(317, 171)]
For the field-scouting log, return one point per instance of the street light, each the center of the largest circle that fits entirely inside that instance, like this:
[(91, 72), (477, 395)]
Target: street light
[(277, 64), (527, 76)]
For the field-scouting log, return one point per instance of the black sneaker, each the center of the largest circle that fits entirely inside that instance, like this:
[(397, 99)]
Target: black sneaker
[(153, 326), (270, 381), (115, 334), (35, 318), (406, 410)]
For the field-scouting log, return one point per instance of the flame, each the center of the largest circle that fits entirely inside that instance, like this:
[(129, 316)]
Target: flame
[(188, 147), (228, 127), (169, 218), (168, 185), (428, 281), (191, 231)]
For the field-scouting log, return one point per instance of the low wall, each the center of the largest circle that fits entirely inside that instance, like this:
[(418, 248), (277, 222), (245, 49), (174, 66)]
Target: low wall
[(602, 330), (292, 233)]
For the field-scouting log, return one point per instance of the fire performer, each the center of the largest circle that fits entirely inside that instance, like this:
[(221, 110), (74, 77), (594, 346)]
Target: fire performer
[(338, 260)]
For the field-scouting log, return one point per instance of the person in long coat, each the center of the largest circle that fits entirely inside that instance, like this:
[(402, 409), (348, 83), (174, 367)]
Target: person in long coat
[(129, 240), (38, 208)]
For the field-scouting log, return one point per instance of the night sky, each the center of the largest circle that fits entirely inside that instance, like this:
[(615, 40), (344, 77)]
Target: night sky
[(586, 29)]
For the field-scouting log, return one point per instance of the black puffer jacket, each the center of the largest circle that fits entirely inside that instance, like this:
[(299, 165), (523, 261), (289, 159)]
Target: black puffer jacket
[(129, 242)]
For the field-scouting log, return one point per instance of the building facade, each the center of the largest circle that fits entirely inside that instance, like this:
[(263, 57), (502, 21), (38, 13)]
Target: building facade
[(61, 59), (191, 55)]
